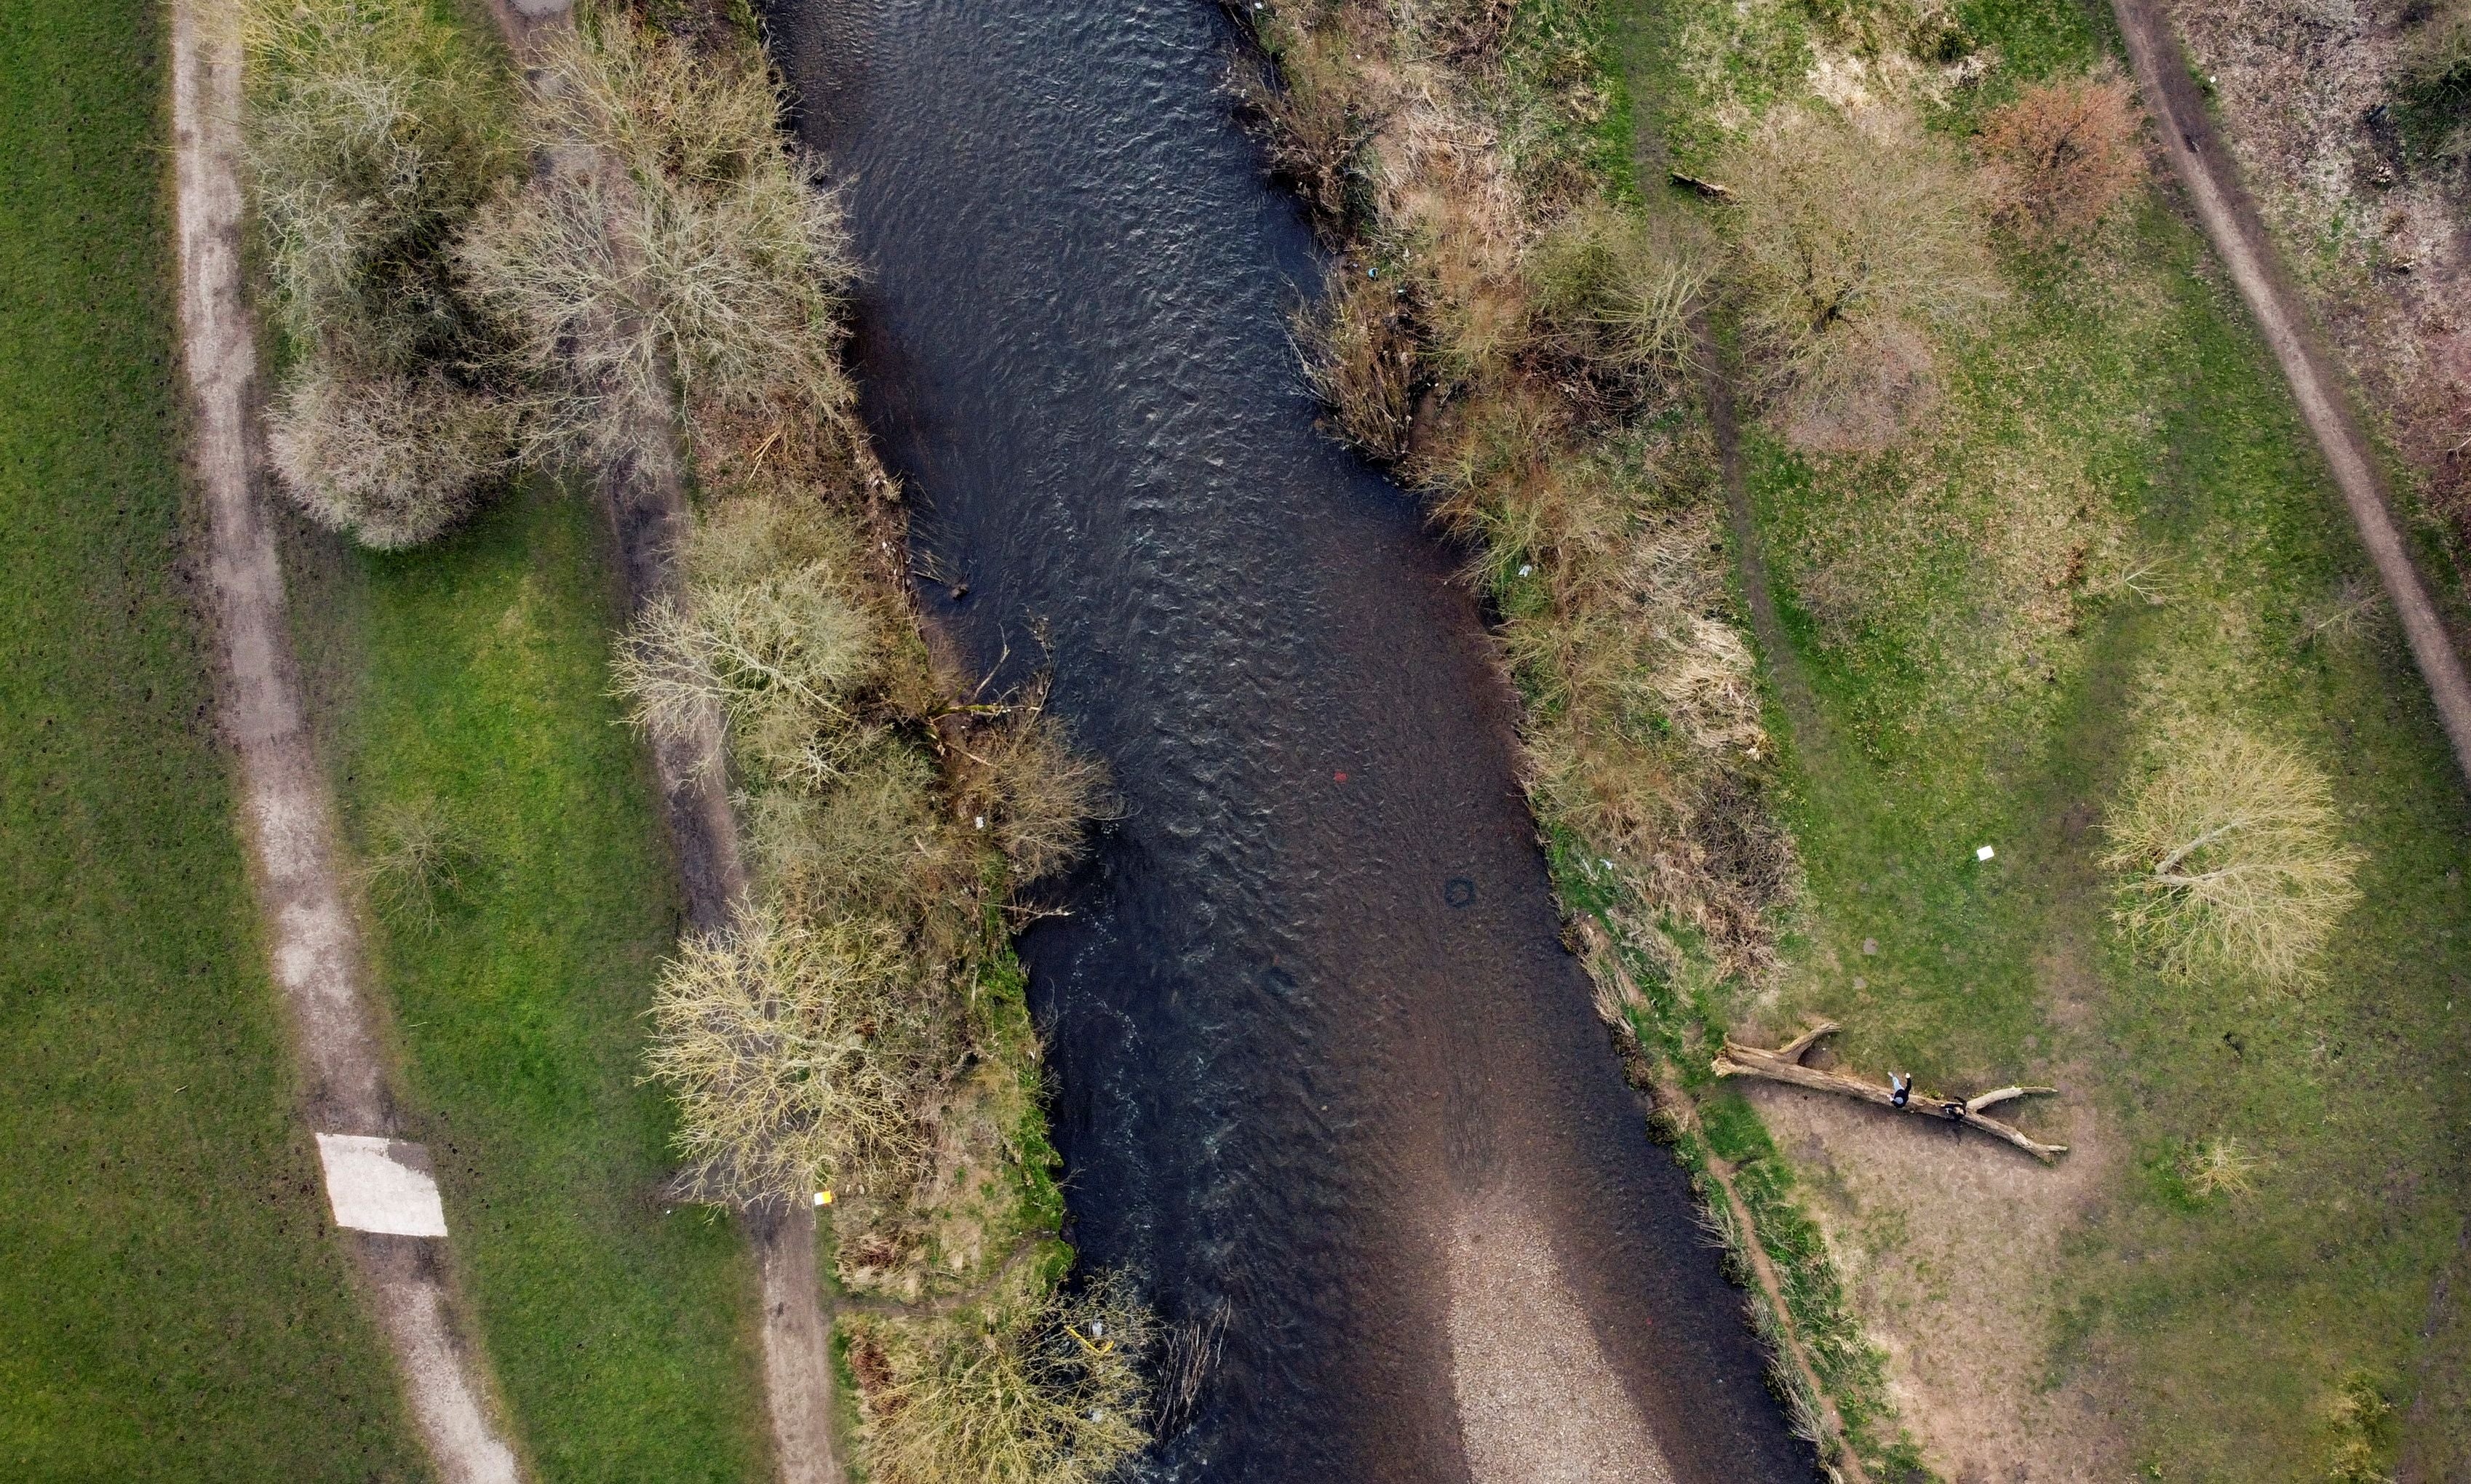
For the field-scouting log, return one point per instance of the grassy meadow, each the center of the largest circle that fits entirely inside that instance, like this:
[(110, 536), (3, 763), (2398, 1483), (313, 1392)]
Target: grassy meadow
[(175, 1307), (2114, 520), (465, 687)]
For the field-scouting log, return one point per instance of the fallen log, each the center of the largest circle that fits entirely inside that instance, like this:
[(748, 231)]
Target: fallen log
[(1784, 1065)]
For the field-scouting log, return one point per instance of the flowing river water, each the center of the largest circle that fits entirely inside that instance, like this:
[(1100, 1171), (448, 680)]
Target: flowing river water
[(1320, 1057)]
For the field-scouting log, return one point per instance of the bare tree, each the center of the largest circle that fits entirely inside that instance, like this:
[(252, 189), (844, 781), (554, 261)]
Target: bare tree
[(2061, 155), (711, 269), (796, 1055), (1849, 244), (2231, 858)]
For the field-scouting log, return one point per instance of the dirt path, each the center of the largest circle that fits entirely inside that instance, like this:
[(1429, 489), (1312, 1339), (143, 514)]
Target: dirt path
[(287, 813), (2231, 223), (645, 499)]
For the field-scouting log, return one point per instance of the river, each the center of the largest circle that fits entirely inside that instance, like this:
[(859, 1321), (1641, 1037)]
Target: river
[(1321, 1057)]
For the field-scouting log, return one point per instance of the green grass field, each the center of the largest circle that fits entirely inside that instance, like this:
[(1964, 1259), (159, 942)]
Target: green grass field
[(468, 678), (2120, 405), (174, 1306)]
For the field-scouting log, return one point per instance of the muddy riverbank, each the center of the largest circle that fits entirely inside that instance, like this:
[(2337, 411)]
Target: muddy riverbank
[(1321, 1057)]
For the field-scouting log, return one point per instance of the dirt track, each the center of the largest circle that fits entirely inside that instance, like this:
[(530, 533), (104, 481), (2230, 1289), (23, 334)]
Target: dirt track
[(2231, 221), (645, 503), (287, 813)]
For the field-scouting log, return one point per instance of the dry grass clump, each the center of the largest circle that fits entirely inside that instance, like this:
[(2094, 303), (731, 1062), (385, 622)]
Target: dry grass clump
[(420, 860), (2231, 858), (371, 137), (1049, 1390), (394, 458), (2220, 1166), (1613, 296), (708, 266), (2061, 156), (1851, 243), (1360, 357)]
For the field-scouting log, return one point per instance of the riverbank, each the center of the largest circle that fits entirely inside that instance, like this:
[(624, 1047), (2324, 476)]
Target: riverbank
[(1996, 585)]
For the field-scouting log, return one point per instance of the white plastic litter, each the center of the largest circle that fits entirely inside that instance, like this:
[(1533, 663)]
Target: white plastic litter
[(1984, 853), (372, 1185)]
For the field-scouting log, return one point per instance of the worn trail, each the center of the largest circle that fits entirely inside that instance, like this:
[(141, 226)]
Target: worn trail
[(2231, 221), (381, 1189), (644, 498)]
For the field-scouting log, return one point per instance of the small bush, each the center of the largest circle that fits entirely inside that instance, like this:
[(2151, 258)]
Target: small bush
[(1850, 242), (1043, 793), (2231, 858), (2432, 85), (1360, 357), (796, 1055), (1045, 1391), (392, 459), (1615, 296), (2061, 156)]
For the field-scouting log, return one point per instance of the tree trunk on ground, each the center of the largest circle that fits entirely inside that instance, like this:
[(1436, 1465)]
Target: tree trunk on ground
[(1784, 1065)]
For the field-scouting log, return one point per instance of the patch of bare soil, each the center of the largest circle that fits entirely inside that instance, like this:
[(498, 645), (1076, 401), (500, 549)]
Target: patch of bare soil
[(2381, 243), (1950, 1248), (1537, 1400)]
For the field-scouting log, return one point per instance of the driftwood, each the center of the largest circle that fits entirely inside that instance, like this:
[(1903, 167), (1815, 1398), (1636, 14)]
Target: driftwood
[(1784, 1065), (1708, 188)]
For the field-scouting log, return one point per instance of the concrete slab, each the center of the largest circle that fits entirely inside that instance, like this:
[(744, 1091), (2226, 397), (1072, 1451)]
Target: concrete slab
[(382, 1186)]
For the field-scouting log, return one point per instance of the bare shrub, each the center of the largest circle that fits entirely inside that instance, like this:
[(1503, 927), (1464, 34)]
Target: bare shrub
[(874, 840), (1043, 793), (420, 860), (1846, 237), (710, 269), (370, 139), (2231, 858), (1614, 296), (1044, 1391), (392, 459), (781, 651), (1358, 354), (2061, 155), (796, 1055)]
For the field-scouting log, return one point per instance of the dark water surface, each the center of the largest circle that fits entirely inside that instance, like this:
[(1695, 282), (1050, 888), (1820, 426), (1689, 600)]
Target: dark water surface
[(1310, 1015)]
